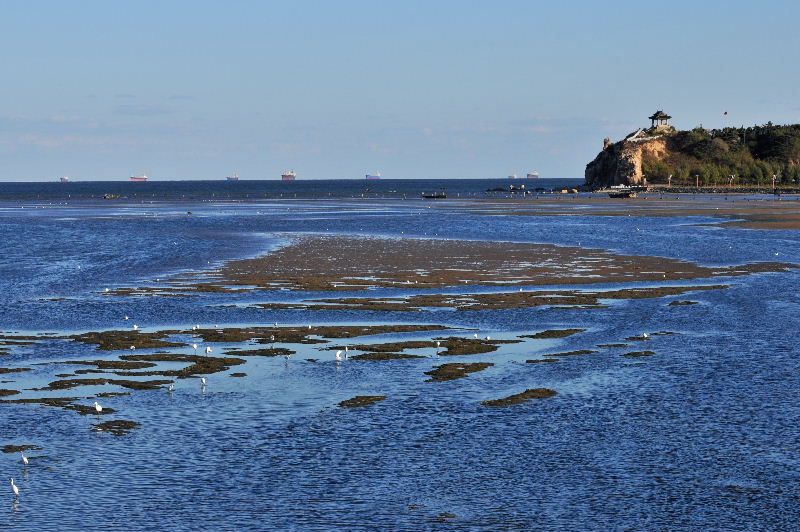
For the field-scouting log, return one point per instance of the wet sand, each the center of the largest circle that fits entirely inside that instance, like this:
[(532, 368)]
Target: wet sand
[(319, 263), (733, 210)]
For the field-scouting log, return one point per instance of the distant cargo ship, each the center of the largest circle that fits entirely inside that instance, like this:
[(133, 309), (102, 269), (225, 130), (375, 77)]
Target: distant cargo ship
[(139, 178), (232, 177), (289, 175), (533, 175), (376, 175), (512, 176), (64, 179)]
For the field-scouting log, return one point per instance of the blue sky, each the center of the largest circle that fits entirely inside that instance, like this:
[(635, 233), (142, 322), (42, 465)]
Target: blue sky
[(334, 89)]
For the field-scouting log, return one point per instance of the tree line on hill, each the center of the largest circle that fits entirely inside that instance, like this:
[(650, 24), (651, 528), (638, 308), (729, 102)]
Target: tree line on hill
[(752, 155)]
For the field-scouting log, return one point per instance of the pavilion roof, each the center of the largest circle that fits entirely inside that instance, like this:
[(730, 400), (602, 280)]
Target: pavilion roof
[(660, 115)]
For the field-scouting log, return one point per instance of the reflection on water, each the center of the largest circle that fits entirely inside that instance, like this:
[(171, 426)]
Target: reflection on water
[(701, 435)]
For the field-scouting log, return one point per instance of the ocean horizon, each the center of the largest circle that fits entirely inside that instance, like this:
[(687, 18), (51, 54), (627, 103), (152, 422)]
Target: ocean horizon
[(254, 188)]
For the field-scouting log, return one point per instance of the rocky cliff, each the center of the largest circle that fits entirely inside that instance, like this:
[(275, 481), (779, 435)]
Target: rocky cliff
[(620, 163)]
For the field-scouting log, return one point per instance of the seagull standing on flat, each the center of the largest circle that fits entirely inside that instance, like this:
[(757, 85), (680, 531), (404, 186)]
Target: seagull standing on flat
[(24, 458), (97, 407)]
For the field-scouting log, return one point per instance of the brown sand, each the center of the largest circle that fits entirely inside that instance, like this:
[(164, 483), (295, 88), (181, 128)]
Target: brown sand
[(349, 262)]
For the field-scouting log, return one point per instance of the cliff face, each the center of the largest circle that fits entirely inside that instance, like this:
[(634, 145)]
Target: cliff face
[(620, 163)]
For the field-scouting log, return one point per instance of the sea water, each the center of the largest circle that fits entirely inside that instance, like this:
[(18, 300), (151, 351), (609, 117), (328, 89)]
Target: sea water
[(703, 435)]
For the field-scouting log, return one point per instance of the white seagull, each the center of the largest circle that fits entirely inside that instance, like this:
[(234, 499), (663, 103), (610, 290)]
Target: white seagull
[(24, 458), (208, 349), (203, 381), (97, 407), (339, 354), (135, 327), (14, 488)]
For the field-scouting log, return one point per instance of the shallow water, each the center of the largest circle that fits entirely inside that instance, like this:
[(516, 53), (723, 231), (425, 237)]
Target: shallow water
[(700, 436)]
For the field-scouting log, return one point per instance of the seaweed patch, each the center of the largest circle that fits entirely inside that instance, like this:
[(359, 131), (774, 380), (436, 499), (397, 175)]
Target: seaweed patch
[(554, 333), (519, 398), (635, 354), (448, 372), (362, 400), (117, 427)]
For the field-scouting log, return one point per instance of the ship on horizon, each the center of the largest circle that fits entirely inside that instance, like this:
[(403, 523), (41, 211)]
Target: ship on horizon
[(139, 178), (232, 177), (533, 175), (376, 175), (64, 179), (289, 175)]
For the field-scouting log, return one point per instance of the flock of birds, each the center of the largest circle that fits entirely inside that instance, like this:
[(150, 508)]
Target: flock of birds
[(340, 355)]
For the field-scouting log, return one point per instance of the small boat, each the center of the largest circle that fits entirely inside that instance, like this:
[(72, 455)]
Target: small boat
[(139, 178), (512, 176), (232, 177), (288, 175), (376, 175), (533, 175), (64, 179), (434, 195)]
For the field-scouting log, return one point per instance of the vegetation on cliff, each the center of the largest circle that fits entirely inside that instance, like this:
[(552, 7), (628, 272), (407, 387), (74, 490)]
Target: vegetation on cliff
[(752, 154)]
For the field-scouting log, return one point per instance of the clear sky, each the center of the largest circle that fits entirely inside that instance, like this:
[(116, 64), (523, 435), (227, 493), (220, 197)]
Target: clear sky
[(336, 89)]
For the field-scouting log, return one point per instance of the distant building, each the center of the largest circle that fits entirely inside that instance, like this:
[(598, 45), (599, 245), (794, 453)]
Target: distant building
[(659, 119)]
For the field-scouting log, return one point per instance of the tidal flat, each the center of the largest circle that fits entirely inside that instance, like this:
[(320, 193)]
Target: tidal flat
[(363, 364)]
